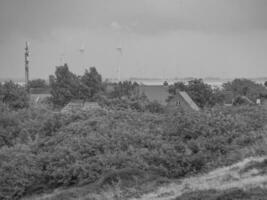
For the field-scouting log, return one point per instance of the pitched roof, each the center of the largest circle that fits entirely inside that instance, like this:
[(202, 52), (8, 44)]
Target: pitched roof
[(189, 101), (73, 106), (157, 93), (36, 98), (91, 106), (80, 105), (39, 94), (40, 90)]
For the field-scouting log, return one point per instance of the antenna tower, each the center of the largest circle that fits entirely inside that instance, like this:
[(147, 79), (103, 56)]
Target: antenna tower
[(27, 54)]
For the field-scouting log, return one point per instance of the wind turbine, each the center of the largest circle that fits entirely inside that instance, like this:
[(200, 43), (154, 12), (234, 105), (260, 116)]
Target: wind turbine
[(120, 52), (82, 49)]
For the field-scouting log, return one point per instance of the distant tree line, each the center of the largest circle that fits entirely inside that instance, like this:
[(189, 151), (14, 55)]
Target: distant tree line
[(206, 96), (38, 83), (65, 86)]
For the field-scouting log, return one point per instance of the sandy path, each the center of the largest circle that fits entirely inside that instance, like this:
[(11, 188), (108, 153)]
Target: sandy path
[(219, 179)]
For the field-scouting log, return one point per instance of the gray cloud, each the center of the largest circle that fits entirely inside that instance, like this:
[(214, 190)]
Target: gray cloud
[(38, 17), (202, 37)]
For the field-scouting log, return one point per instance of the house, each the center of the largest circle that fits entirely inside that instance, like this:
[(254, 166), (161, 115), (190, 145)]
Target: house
[(91, 106), (73, 106), (38, 95), (182, 100), (228, 98), (80, 105), (158, 93)]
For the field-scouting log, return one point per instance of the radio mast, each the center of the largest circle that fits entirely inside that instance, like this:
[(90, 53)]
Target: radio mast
[(27, 54)]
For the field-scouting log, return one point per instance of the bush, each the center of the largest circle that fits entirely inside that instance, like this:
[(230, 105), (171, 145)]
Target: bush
[(154, 107), (14, 95), (99, 146)]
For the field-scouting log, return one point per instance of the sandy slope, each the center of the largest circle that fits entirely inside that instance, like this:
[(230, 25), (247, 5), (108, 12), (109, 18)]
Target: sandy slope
[(219, 179), (223, 178)]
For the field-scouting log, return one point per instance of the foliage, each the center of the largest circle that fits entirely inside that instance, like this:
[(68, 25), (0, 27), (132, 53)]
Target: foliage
[(37, 83), (126, 89), (154, 107), (242, 100), (165, 83), (49, 150), (91, 83), (245, 87), (64, 86), (14, 95), (139, 104), (202, 93), (177, 86)]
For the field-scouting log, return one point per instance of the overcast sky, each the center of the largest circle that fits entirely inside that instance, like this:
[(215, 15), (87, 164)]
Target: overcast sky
[(158, 38)]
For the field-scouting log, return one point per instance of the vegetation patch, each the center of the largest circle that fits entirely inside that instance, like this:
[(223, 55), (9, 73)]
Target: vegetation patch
[(233, 194), (48, 150)]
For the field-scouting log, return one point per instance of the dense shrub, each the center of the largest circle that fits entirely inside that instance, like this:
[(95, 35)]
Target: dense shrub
[(14, 95), (100, 146), (19, 172), (245, 87), (154, 107)]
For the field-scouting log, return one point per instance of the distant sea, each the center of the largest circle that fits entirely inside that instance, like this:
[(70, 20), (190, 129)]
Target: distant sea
[(214, 82), (160, 82)]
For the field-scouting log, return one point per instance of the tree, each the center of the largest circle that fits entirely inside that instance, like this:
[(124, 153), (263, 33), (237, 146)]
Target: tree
[(202, 93), (219, 96), (177, 86), (165, 83), (14, 95), (64, 86), (37, 83), (245, 87), (91, 83)]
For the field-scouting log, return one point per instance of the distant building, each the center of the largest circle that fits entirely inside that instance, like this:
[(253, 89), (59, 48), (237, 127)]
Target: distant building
[(91, 106), (182, 100), (158, 93), (38, 95), (80, 105), (228, 98)]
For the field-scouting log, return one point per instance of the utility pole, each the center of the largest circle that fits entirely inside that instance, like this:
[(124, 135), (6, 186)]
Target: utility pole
[(27, 54)]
